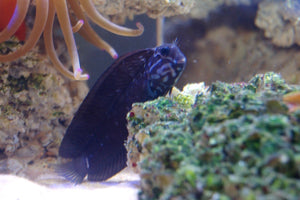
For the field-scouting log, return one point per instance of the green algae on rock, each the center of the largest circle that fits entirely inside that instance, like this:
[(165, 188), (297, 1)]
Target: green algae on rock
[(143, 117), (238, 141)]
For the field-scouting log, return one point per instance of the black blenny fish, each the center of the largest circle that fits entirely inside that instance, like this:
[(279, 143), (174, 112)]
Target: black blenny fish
[(95, 139)]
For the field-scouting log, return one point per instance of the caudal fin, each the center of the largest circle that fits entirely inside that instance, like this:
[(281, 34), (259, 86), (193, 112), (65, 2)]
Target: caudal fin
[(75, 170)]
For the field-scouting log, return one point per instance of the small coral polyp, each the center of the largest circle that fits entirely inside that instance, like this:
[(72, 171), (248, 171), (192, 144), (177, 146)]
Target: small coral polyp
[(69, 23)]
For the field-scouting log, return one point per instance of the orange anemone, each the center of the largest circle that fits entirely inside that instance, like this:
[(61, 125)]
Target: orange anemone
[(7, 8), (45, 13)]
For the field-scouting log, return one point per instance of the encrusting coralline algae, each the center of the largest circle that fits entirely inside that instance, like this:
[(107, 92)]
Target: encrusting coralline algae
[(235, 141)]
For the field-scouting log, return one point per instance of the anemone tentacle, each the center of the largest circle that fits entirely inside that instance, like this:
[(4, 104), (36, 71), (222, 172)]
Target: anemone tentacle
[(87, 31), (49, 46), (97, 18), (16, 20), (77, 26), (65, 24), (38, 27), (45, 13)]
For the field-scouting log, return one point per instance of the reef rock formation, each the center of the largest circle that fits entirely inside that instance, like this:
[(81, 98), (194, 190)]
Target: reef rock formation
[(36, 105), (234, 40), (280, 21), (121, 9), (234, 141), (278, 18)]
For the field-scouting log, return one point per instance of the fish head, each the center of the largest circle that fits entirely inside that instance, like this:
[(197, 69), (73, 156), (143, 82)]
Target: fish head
[(164, 68)]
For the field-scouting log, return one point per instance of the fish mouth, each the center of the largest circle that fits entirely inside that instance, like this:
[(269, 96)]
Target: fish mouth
[(181, 61)]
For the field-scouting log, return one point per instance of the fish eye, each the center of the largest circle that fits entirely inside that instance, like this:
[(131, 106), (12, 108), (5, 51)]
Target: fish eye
[(164, 51)]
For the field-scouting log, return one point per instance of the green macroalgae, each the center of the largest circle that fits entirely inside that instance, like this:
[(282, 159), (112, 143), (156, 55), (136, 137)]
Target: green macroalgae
[(233, 141)]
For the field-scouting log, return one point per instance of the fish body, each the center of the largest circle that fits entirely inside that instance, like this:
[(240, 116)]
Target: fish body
[(7, 8), (96, 136)]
